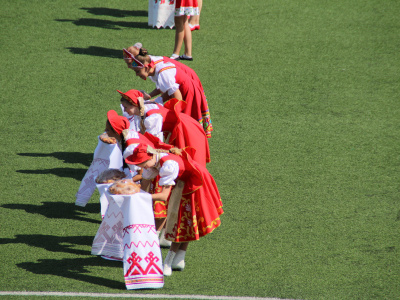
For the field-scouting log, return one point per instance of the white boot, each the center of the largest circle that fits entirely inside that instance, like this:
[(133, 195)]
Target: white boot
[(168, 262), (164, 242), (178, 263)]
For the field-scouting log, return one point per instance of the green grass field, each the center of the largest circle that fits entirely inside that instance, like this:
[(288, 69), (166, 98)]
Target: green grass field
[(304, 99)]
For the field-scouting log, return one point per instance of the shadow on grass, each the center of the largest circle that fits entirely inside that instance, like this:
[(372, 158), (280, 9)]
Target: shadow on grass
[(52, 243), (67, 157), (97, 51), (112, 12), (77, 174), (106, 24), (75, 268), (59, 210)]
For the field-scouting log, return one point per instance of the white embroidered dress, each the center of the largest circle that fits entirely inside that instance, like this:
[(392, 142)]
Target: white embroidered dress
[(161, 13)]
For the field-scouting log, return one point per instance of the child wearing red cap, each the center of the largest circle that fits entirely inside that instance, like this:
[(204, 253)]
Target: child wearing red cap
[(118, 131), (181, 129), (130, 139), (172, 81), (194, 211)]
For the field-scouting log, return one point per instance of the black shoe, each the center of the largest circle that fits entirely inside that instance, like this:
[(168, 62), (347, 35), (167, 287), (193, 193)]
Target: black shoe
[(185, 58)]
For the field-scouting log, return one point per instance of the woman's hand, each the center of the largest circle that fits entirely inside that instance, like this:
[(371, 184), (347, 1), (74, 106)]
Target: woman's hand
[(163, 195), (146, 96)]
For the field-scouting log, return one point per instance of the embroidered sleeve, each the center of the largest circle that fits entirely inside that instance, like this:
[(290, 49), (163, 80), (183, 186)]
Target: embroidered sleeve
[(168, 173), (166, 81)]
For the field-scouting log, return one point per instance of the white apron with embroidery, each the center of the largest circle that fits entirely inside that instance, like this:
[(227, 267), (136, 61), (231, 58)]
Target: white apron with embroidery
[(140, 247), (106, 156)]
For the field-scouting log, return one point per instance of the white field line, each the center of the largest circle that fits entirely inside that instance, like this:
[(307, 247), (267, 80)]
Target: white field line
[(143, 296)]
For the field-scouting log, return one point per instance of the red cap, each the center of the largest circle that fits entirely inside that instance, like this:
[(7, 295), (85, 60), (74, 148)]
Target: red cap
[(132, 96), (139, 155), (118, 123)]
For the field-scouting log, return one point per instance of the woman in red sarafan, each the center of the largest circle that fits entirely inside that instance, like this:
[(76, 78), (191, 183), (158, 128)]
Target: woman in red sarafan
[(180, 129), (172, 80), (192, 213)]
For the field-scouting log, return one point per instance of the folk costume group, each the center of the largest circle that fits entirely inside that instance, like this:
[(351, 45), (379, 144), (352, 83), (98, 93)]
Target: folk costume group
[(161, 142)]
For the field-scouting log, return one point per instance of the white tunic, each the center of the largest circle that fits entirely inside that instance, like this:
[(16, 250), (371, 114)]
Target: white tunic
[(165, 81)]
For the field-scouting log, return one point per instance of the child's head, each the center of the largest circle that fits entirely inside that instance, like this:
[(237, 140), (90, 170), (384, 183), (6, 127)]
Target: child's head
[(146, 157), (133, 102), (141, 157), (116, 124), (140, 63), (129, 52)]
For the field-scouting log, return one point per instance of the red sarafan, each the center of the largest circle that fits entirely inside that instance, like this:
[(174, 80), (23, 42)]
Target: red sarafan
[(124, 187)]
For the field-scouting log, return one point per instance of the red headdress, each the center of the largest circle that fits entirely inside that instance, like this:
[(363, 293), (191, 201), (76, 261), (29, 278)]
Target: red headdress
[(134, 97), (118, 123), (135, 62), (139, 155)]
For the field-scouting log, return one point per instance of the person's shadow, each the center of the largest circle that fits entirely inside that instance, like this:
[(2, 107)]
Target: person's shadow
[(97, 51), (110, 24), (113, 12), (59, 210), (107, 24), (75, 268), (66, 157), (52, 243)]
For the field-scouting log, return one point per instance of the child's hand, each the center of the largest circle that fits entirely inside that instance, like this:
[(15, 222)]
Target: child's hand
[(145, 95)]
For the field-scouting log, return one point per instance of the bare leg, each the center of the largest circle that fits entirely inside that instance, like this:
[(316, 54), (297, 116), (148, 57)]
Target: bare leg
[(179, 246), (195, 20), (187, 38), (159, 222), (179, 33)]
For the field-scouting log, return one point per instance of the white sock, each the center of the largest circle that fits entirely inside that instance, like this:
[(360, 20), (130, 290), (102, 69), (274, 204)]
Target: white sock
[(185, 56), (173, 56)]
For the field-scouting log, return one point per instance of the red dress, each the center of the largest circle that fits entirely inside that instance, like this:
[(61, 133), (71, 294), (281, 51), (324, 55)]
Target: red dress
[(200, 206), (185, 131), (186, 7), (191, 89), (184, 68)]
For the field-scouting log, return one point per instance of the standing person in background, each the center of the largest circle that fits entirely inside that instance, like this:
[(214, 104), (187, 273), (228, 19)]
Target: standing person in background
[(183, 34), (194, 21)]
